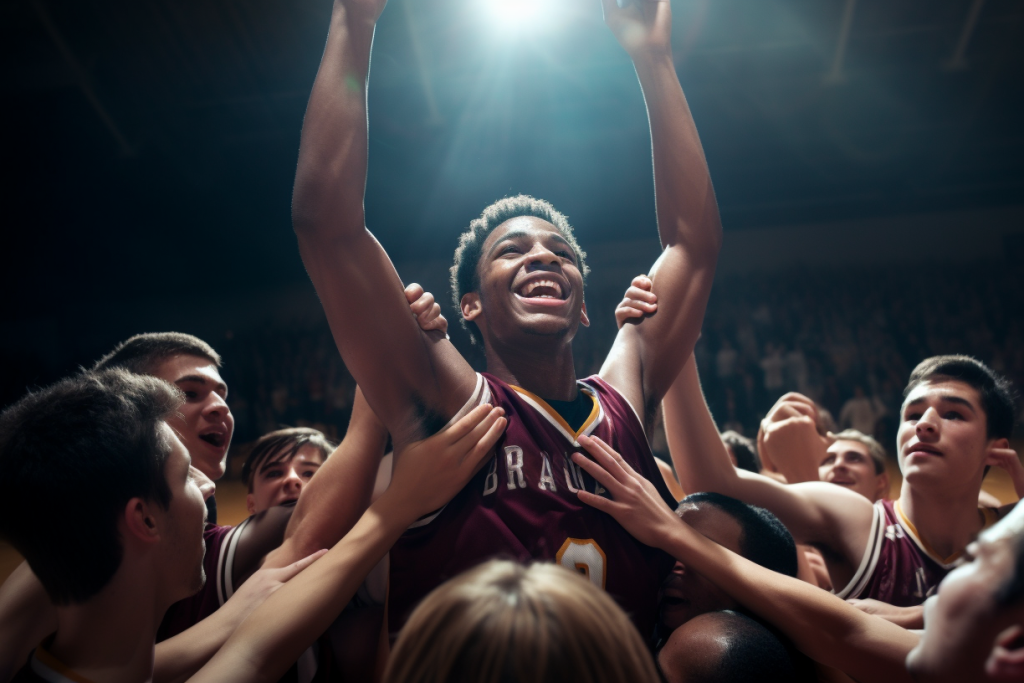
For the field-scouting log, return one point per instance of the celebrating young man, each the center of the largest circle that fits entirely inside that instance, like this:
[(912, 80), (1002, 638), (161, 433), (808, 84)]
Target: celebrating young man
[(518, 281)]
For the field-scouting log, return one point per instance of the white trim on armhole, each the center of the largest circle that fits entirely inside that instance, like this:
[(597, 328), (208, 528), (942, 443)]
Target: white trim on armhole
[(481, 394), (226, 563), (869, 561)]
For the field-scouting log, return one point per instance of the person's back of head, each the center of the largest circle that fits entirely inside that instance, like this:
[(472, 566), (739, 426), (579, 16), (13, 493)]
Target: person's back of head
[(143, 353), (743, 450), (765, 540), (72, 456), (726, 647), (504, 622)]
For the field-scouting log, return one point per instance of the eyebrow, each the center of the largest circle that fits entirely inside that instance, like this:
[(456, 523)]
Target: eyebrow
[(203, 380), (947, 398), (519, 232), (267, 465)]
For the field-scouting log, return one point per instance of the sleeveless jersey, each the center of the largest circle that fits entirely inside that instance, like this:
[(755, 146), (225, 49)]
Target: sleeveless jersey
[(897, 566), (523, 506), (186, 613)]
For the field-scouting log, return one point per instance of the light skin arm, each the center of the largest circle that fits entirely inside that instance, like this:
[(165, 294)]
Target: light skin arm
[(427, 475), (414, 380), (339, 493), (816, 513), (645, 358), (26, 618), (821, 625), (788, 440)]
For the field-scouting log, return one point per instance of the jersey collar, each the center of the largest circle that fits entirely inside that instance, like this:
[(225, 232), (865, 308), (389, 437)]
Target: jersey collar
[(51, 669), (552, 416)]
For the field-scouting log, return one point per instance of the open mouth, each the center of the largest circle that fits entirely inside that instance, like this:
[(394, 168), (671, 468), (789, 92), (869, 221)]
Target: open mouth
[(215, 439), (541, 289), (921, 449)]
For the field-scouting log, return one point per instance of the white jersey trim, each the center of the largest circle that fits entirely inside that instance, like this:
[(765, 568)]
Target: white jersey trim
[(226, 563), (869, 561), (481, 394)]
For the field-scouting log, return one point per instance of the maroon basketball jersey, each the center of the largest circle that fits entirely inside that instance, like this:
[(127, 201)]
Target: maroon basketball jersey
[(523, 506), (190, 611), (897, 567)]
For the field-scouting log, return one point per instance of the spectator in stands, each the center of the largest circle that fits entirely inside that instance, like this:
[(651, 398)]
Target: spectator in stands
[(861, 413)]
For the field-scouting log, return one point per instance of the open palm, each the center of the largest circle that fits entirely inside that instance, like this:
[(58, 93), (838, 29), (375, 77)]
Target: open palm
[(641, 25)]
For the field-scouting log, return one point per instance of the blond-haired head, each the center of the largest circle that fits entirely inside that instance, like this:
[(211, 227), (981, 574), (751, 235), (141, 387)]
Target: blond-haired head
[(504, 621)]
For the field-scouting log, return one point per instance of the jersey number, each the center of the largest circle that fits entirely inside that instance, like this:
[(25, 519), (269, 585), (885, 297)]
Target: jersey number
[(585, 556)]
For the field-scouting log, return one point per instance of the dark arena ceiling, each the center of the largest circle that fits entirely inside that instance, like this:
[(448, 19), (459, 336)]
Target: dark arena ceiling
[(150, 144)]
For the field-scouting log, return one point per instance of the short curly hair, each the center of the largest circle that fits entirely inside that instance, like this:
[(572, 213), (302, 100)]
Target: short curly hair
[(464, 277)]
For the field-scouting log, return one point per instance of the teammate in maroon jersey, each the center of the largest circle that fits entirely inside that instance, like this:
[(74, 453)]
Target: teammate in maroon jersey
[(520, 287), (956, 421)]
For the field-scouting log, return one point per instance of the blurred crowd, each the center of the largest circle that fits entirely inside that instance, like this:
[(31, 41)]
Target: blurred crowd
[(848, 339)]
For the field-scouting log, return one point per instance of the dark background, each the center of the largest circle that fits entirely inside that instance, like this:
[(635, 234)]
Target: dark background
[(151, 144)]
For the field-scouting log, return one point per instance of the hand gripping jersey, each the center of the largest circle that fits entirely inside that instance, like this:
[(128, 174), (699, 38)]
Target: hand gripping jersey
[(522, 505), (898, 567)]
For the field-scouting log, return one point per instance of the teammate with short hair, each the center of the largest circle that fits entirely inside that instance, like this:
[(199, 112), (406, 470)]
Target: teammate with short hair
[(116, 530), (519, 285), (856, 461)]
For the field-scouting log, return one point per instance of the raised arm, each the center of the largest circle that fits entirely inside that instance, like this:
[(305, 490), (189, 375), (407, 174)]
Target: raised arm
[(339, 493), (823, 626), (414, 380), (816, 513), (646, 357), (427, 474)]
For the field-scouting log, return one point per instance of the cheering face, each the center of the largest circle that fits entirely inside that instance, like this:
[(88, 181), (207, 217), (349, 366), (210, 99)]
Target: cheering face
[(942, 436), (206, 423), (182, 546), (968, 635), (849, 464), (686, 594), (530, 283), (280, 482)]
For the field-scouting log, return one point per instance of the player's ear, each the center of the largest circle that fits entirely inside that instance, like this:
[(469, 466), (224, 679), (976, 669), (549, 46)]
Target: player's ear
[(470, 305), (250, 503), (994, 444), (584, 320), (1006, 663), (140, 521)]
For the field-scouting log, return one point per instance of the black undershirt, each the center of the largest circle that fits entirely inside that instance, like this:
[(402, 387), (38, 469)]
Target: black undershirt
[(576, 411)]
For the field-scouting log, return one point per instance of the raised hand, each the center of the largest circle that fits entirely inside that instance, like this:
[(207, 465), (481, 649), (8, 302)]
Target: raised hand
[(1007, 459), (790, 439), (635, 503), (429, 473), (638, 301), (640, 25), (426, 311)]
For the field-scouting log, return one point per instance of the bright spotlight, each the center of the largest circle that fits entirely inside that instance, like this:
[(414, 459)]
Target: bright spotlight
[(515, 13)]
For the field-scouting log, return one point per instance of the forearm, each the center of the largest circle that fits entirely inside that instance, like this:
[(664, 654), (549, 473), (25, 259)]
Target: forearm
[(277, 632), (331, 174), (821, 625), (700, 458), (27, 617), (179, 657), (339, 493), (685, 199)]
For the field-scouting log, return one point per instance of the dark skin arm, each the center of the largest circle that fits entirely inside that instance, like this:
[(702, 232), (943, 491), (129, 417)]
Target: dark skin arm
[(645, 358), (414, 380)]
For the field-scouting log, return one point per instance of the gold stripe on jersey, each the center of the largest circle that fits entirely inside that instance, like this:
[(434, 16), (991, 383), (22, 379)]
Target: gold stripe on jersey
[(552, 416), (988, 517), (51, 669)]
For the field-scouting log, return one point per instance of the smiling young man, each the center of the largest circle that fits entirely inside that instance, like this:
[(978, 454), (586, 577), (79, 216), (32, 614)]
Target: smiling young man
[(518, 282), (956, 420), (857, 462)]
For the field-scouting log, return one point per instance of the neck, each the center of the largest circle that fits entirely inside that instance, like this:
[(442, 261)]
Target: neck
[(543, 369), (110, 637), (946, 522)]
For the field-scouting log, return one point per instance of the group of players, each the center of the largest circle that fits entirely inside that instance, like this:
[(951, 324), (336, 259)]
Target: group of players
[(521, 530)]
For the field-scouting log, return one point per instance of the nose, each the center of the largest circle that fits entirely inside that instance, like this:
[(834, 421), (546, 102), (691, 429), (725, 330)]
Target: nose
[(542, 258), (216, 406), (292, 481), (927, 425), (679, 568)]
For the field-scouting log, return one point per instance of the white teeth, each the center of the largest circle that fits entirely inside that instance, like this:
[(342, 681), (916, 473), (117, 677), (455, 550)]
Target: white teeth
[(527, 289)]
